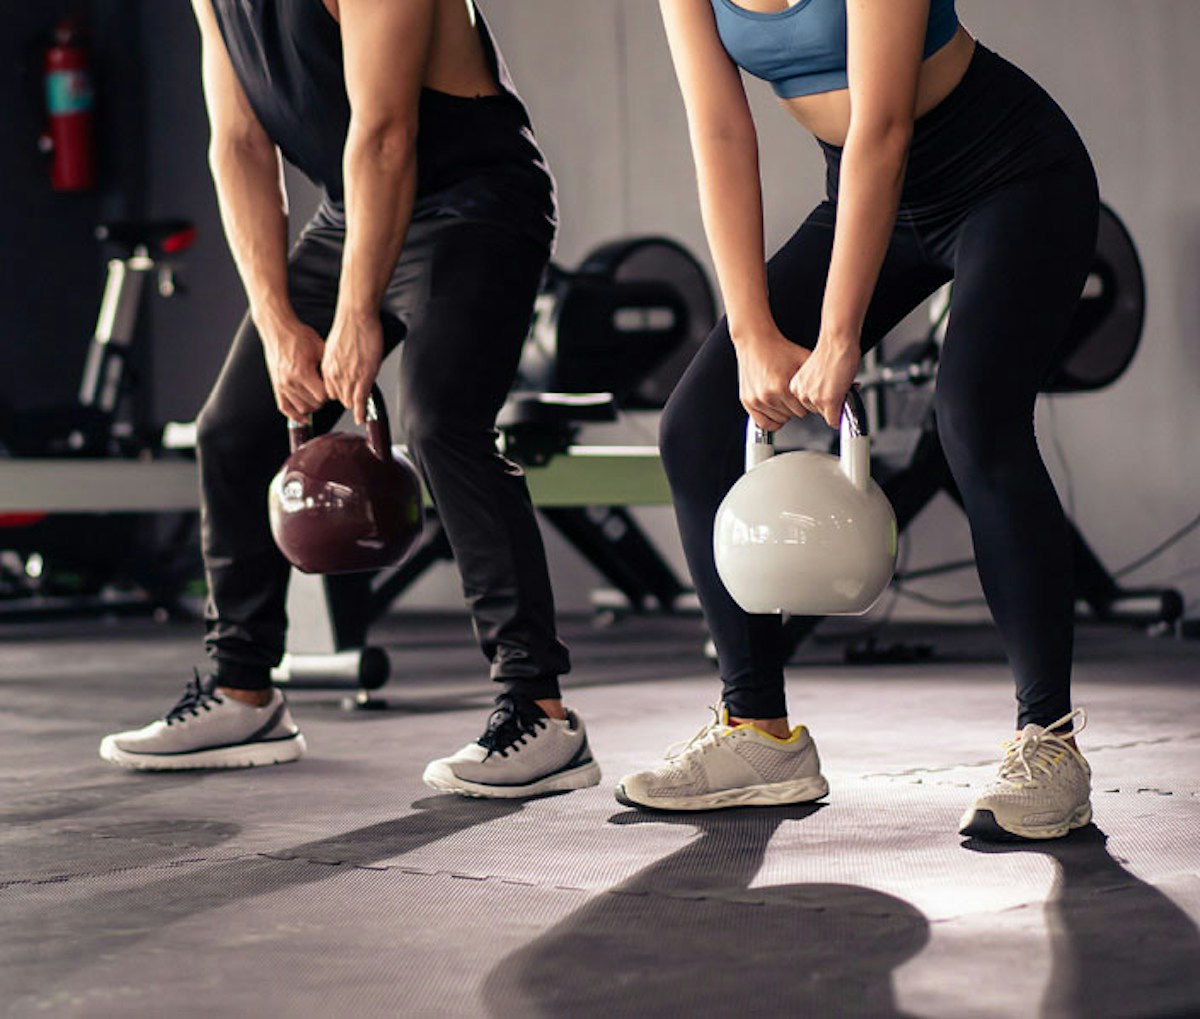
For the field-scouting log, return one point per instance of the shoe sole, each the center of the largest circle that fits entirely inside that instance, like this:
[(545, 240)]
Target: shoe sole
[(439, 776), (776, 794), (249, 755), (982, 824)]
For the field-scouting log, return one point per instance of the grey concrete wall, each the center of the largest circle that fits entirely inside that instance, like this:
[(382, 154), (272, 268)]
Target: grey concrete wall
[(598, 80)]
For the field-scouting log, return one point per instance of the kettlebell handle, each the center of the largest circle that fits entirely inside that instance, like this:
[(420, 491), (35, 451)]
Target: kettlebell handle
[(855, 441), (379, 435), (379, 432), (299, 432)]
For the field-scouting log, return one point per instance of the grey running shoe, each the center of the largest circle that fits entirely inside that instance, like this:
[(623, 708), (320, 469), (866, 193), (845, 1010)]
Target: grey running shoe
[(1042, 791), (729, 766), (207, 730), (521, 753)]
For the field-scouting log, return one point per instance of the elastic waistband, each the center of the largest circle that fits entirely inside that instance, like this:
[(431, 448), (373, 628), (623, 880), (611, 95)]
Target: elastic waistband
[(981, 74), (997, 126)]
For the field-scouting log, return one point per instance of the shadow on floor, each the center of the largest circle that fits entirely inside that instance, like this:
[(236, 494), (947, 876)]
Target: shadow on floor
[(1120, 947), (689, 936), (55, 803), (48, 945)]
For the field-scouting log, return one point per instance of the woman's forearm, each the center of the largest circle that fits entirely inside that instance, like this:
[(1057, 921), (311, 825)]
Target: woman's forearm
[(872, 176), (731, 203)]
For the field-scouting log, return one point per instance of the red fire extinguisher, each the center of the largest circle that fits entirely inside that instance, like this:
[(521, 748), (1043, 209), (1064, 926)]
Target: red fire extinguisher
[(69, 102)]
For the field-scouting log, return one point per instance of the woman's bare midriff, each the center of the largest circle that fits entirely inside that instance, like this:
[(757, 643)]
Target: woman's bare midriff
[(457, 64), (827, 115)]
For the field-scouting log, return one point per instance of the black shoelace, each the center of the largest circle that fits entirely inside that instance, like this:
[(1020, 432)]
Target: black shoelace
[(511, 724), (199, 696)]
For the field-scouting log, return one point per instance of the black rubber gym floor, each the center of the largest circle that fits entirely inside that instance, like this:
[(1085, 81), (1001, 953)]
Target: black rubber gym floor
[(339, 886)]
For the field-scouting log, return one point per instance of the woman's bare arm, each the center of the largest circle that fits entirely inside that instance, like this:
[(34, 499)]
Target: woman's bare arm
[(725, 148), (886, 43)]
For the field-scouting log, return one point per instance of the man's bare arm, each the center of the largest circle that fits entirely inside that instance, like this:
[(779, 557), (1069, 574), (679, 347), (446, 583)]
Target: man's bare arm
[(385, 48), (247, 171)]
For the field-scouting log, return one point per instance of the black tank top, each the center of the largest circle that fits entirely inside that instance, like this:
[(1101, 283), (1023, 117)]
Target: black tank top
[(476, 158)]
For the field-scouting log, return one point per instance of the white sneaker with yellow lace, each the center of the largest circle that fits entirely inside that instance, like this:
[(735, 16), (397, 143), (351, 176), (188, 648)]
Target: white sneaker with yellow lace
[(1043, 789), (729, 766)]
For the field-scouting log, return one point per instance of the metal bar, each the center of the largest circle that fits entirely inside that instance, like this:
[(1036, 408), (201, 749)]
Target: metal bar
[(584, 476), (98, 486)]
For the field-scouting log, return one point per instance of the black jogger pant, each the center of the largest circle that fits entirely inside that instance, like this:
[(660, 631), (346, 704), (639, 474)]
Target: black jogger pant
[(461, 299), (1001, 197)]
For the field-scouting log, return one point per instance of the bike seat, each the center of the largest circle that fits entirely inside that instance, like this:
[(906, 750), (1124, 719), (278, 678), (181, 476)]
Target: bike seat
[(538, 426), (159, 236), (553, 410)]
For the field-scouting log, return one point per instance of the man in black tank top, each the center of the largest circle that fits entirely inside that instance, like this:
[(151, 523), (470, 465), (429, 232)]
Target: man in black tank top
[(437, 223)]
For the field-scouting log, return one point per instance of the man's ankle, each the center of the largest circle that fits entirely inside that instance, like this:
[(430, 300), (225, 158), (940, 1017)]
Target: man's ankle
[(254, 698), (553, 708)]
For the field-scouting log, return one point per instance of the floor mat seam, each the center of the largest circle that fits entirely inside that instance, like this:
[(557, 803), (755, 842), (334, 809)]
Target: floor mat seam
[(730, 897), (58, 879)]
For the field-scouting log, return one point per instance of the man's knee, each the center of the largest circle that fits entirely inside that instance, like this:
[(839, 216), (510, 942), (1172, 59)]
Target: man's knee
[(216, 431), (223, 433), (434, 431)]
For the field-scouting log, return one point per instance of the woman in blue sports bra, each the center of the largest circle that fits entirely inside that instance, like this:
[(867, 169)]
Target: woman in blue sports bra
[(944, 161)]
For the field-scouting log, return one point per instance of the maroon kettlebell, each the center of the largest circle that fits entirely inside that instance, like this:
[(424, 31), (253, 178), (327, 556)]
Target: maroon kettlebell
[(343, 503)]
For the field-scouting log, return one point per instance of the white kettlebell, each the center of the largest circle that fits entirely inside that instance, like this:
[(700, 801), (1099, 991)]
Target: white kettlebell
[(807, 533)]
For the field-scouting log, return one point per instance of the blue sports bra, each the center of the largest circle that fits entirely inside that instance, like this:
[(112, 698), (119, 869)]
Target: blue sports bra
[(802, 50)]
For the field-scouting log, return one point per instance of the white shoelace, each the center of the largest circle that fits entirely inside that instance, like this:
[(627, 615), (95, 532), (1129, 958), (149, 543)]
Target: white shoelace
[(1037, 751), (707, 736)]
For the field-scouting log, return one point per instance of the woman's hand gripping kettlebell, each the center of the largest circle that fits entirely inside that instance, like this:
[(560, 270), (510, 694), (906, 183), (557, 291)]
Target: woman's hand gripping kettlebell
[(767, 362), (821, 383)]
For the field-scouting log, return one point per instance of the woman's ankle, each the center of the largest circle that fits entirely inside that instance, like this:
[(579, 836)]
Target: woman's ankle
[(777, 727)]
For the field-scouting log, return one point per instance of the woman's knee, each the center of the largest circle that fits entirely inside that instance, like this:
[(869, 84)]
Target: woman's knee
[(980, 431), (684, 443), (702, 416), (672, 433)]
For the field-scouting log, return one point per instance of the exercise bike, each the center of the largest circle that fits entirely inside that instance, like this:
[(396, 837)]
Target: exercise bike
[(78, 563), (1099, 346)]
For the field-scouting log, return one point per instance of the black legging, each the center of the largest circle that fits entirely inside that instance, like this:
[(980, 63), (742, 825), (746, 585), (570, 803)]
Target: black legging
[(1001, 197)]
